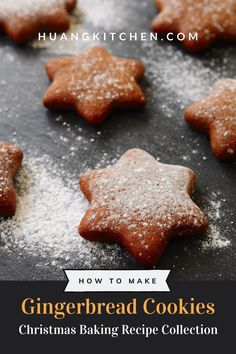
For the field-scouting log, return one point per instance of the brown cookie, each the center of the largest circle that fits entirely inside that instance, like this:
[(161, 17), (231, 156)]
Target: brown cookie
[(212, 20), (216, 115), (10, 161), (94, 83), (141, 204), (21, 20)]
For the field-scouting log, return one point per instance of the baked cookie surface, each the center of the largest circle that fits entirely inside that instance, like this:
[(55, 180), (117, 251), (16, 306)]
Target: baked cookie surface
[(94, 83), (141, 204), (10, 161), (216, 116), (212, 20), (21, 20)]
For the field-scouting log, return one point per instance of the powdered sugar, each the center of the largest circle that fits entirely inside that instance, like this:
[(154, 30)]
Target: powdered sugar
[(94, 82), (5, 165), (215, 238), (10, 161), (179, 80), (217, 115), (207, 18), (174, 78), (145, 197), (49, 208), (105, 14), (29, 8)]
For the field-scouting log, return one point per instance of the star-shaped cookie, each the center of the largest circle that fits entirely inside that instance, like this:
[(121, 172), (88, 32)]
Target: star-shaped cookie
[(216, 115), (10, 161), (141, 204), (94, 83), (21, 20), (211, 20)]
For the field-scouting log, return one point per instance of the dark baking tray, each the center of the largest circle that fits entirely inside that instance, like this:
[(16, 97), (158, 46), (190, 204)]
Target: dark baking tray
[(22, 69)]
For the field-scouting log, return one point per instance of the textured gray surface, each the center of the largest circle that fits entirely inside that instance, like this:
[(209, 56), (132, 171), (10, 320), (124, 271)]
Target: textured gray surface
[(159, 129)]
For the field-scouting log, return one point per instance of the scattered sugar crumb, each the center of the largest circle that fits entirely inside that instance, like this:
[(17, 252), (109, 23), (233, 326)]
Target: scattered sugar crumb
[(214, 239)]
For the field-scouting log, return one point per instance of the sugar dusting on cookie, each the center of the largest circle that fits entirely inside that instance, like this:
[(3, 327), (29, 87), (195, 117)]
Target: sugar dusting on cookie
[(10, 161), (22, 20), (26, 8), (216, 115), (209, 19), (94, 83), (141, 204), (138, 188), (5, 162)]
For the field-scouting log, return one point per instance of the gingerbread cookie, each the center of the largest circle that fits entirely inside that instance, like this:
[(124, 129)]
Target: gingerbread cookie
[(10, 162), (141, 204), (21, 20), (216, 116), (211, 20), (94, 83)]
